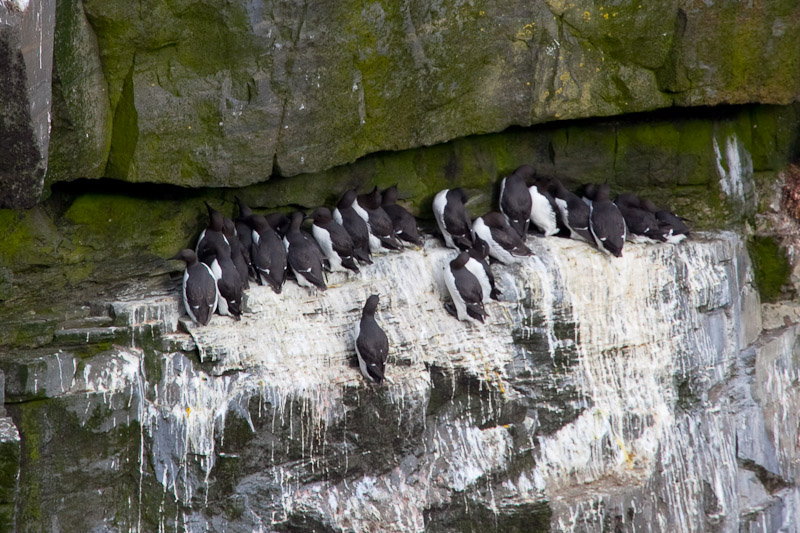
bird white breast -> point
(502, 193)
(542, 214)
(185, 299)
(361, 212)
(477, 270)
(256, 237)
(375, 245)
(323, 238)
(439, 203)
(216, 270)
(337, 216)
(199, 240)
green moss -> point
(770, 266)
(111, 223)
(125, 132)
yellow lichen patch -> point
(188, 411)
(587, 16)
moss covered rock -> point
(209, 95)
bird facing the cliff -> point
(200, 293)
(372, 345)
(606, 222)
(346, 215)
(515, 199)
(303, 255)
(574, 212)
(405, 225)
(544, 215)
(381, 230)
(267, 253)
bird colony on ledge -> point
(270, 248)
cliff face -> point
(639, 393)
(206, 95)
(656, 392)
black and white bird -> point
(333, 239)
(544, 214)
(574, 211)
(381, 230)
(200, 293)
(372, 345)
(346, 215)
(465, 290)
(606, 222)
(267, 253)
(212, 234)
(404, 223)
(478, 264)
(452, 218)
(303, 255)
(642, 225)
(515, 199)
(229, 284)
(504, 243)
(673, 226)
(240, 260)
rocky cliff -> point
(657, 392)
(639, 393)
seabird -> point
(372, 345)
(544, 211)
(229, 284)
(643, 227)
(606, 222)
(452, 218)
(303, 255)
(212, 234)
(381, 230)
(478, 264)
(237, 254)
(356, 227)
(574, 211)
(404, 223)
(674, 227)
(465, 290)
(200, 293)
(333, 240)
(504, 243)
(267, 253)
(515, 199)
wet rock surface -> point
(600, 394)
(26, 60)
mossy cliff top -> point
(204, 94)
